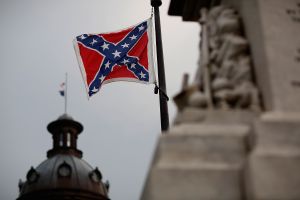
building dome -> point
(64, 175)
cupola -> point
(64, 174)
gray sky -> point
(121, 121)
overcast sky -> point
(121, 122)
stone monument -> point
(237, 132)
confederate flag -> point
(124, 55)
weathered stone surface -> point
(278, 131)
(204, 144)
(197, 115)
(195, 161)
(273, 176)
(273, 169)
(182, 183)
(273, 28)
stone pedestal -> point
(273, 166)
(236, 154)
(199, 161)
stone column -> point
(273, 30)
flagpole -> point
(66, 92)
(164, 114)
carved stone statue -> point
(227, 62)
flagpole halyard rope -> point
(152, 12)
(156, 89)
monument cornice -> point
(189, 9)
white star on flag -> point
(133, 37)
(116, 54)
(132, 66)
(82, 37)
(141, 28)
(107, 64)
(105, 46)
(125, 61)
(125, 45)
(93, 42)
(102, 78)
(143, 75)
(94, 89)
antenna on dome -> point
(64, 91)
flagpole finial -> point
(156, 3)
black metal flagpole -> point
(163, 98)
(66, 93)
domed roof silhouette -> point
(64, 175)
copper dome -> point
(64, 175)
